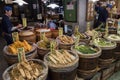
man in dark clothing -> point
(103, 15)
(7, 26)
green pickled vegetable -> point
(86, 49)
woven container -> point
(24, 35)
(117, 49)
(48, 34)
(64, 46)
(107, 56)
(87, 40)
(11, 59)
(55, 33)
(63, 72)
(87, 61)
(43, 75)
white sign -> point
(70, 7)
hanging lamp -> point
(20, 2)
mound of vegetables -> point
(85, 49)
(26, 71)
(61, 57)
(103, 42)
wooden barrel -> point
(43, 75)
(55, 33)
(48, 33)
(28, 36)
(63, 45)
(11, 59)
(41, 52)
(63, 72)
(117, 51)
(87, 61)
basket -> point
(11, 59)
(61, 72)
(43, 75)
(87, 61)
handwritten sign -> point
(52, 46)
(15, 36)
(21, 54)
(60, 31)
(24, 22)
(106, 30)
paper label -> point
(77, 40)
(15, 36)
(21, 54)
(52, 46)
(106, 30)
(24, 22)
(60, 31)
(42, 35)
(88, 26)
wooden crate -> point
(117, 66)
(97, 76)
(106, 73)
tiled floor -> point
(3, 64)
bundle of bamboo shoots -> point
(62, 57)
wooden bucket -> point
(24, 35)
(117, 51)
(43, 75)
(63, 72)
(87, 61)
(64, 46)
(55, 33)
(48, 34)
(107, 56)
(87, 75)
(11, 59)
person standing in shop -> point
(103, 15)
(7, 26)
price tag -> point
(106, 31)
(42, 35)
(21, 54)
(88, 26)
(24, 22)
(77, 40)
(52, 46)
(118, 28)
(76, 29)
(15, 36)
(60, 31)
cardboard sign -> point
(60, 31)
(24, 22)
(21, 54)
(15, 36)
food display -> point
(66, 39)
(13, 47)
(113, 37)
(44, 44)
(26, 71)
(82, 35)
(85, 49)
(101, 42)
(61, 57)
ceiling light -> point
(20, 2)
(53, 5)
